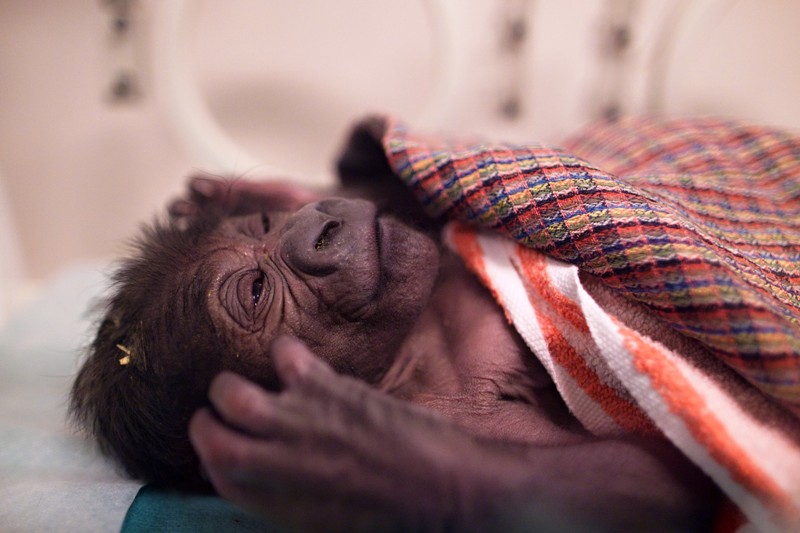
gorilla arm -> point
(241, 197)
(329, 452)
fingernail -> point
(287, 355)
(183, 208)
(204, 186)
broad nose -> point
(312, 240)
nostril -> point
(316, 243)
(328, 231)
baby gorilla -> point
(450, 421)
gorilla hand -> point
(240, 197)
(328, 451)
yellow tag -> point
(127, 359)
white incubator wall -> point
(11, 275)
(267, 88)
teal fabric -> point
(156, 509)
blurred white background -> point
(101, 121)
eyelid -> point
(244, 292)
(261, 281)
(235, 295)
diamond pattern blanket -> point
(654, 267)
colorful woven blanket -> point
(662, 293)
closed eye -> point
(258, 288)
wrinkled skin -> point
(329, 273)
(411, 403)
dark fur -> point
(505, 443)
(139, 412)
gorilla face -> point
(211, 294)
(337, 274)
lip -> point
(379, 236)
(382, 232)
(383, 236)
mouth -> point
(379, 235)
(382, 232)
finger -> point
(321, 388)
(282, 482)
(241, 403)
(183, 208)
(203, 187)
(296, 364)
(232, 458)
(222, 454)
(246, 406)
(289, 195)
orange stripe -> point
(465, 241)
(534, 268)
(624, 413)
(685, 402)
(627, 415)
(538, 283)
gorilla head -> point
(207, 294)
